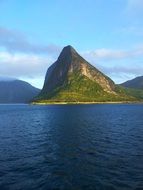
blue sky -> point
(109, 34)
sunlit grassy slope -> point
(79, 88)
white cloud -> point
(108, 60)
(110, 54)
(120, 65)
(21, 65)
(133, 70)
(106, 54)
(122, 73)
(19, 58)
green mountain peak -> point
(72, 79)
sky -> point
(108, 34)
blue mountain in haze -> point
(136, 83)
(16, 91)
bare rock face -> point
(69, 62)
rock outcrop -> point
(72, 79)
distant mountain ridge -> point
(17, 91)
(72, 79)
(136, 83)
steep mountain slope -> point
(17, 91)
(136, 83)
(72, 79)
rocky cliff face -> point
(72, 79)
(70, 62)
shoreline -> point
(85, 103)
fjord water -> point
(71, 147)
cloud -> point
(123, 70)
(19, 58)
(15, 41)
(110, 54)
(23, 65)
(108, 60)
(122, 73)
(106, 54)
(22, 59)
(120, 65)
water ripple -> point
(71, 147)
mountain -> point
(136, 83)
(17, 91)
(72, 79)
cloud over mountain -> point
(21, 65)
(118, 64)
(21, 58)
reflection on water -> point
(71, 147)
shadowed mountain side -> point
(136, 83)
(17, 91)
(72, 79)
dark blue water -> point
(71, 147)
